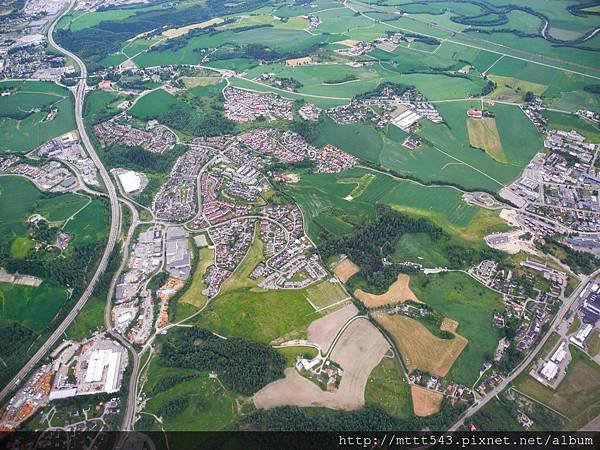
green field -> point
(24, 115)
(19, 199)
(193, 295)
(210, 406)
(33, 307)
(322, 199)
(244, 310)
(89, 320)
(99, 105)
(91, 224)
(387, 389)
(459, 297)
(154, 103)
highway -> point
(115, 219)
(525, 363)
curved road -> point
(114, 223)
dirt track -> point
(358, 351)
(323, 331)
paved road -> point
(79, 92)
(519, 369)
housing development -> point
(310, 215)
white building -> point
(130, 181)
(549, 370)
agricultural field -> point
(483, 135)
(34, 113)
(425, 402)
(419, 348)
(398, 292)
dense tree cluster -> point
(14, 338)
(370, 244)
(196, 124)
(307, 129)
(369, 418)
(592, 88)
(136, 158)
(173, 407)
(168, 382)
(241, 365)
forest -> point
(136, 158)
(369, 418)
(241, 365)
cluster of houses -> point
(290, 147)
(246, 106)
(176, 201)
(309, 111)
(156, 139)
(232, 241)
(401, 110)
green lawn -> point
(89, 319)
(388, 389)
(210, 405)
(33, 307)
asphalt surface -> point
(79, 93)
